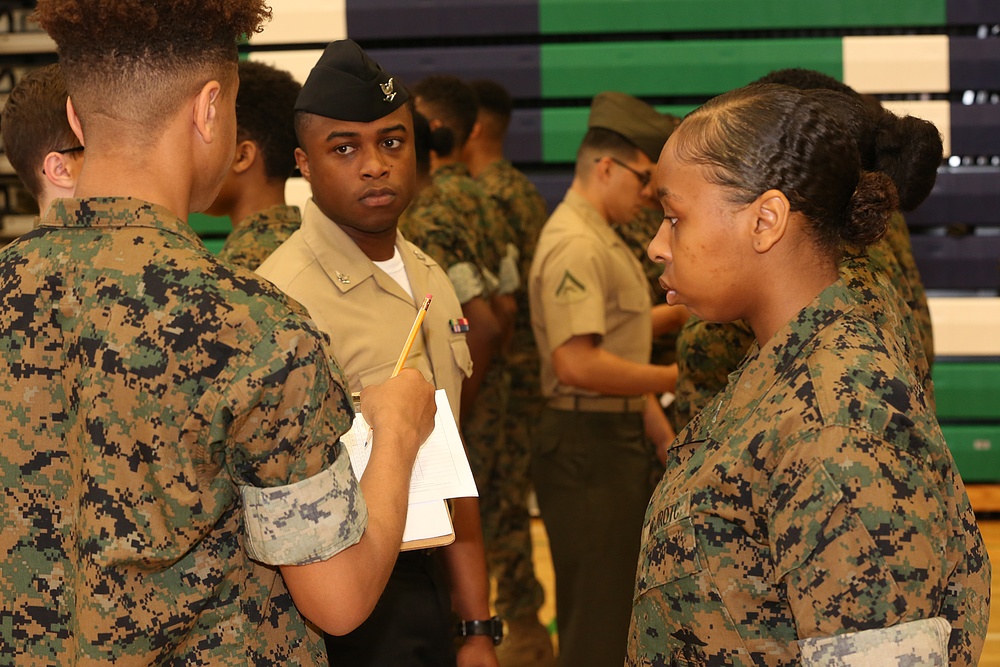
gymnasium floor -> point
(991, 533)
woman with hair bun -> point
(812, 511)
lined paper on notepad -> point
(441, 470)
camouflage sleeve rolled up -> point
(914, 644)
(294, 413)
(472, 210)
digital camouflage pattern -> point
(440, 230)
(898, 239)
(521, 206)
(519, 594)
(637, 234)
(874, 277)
(480, 214)
(707, 352)
(255, 238)
(815, 496)
(143, 385)
(914, 644)
(457, 224)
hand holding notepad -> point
(441, 471)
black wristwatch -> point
(492, 628)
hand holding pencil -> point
(414, 330)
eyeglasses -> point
(644, 176)
(66, 151)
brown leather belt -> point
(599, 403)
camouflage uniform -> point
(707, 352)
(256, 237)
(519, 594)
(814, 497)
(440, 231)
(898, 239)
(876, 277)
(171, 424)
(637, 234)
(449, 214)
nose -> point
(375, 165)
(659, 249)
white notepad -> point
(440, 472)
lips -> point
(671, 296)
(378, 197)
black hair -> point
(601, 141)
(265, 114)
(450, 101)
(495, 101)
(906, 149)
(805, 79)
(765, 136)
(425, 140)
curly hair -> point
(128, 59)
(34, 123)
(449, 100)
(767, 136)
(265, 114)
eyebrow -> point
(663, 193)
(350, 135)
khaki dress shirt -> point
(365, 312)
(584, 280)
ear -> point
(602, 170)
(477, 130)
(74, 121)
(60, 170)
(246, 156)
(772, 212)
(302, 161)
(206, 111)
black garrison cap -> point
(641, 124)
(346, 84)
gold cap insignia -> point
(388, 88)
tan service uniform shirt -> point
(366, 313)
(585, 280)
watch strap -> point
(492, 628)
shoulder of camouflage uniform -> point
(440, 232)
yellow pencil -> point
(414, 330)
(413, 335)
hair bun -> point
(909, 150)
(442, 140)
(870, 209)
